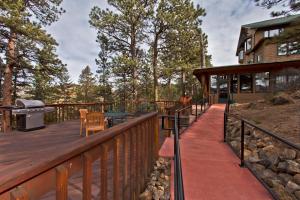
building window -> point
(234, 84)
(272, 33)
(248, 44)
(282, 50)
(258, 58)
(245, 83)
(262, 81)
(290, 48)
(280, 82)
(241, 55)
(293, 48)
(213, 84)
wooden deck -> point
(21, 151)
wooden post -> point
(116, 166)
(87, 176)
(127, 165)
(19, 194)
(61, 183)
(238, 84)
(156, 137)
(103, 171)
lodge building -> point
(265, 64)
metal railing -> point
(243, 124)
(176, 128)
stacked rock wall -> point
(277, 164)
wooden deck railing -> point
(70, 111)
(133, 147)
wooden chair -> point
(94, 122)
(83, 113)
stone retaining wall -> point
(277, 164)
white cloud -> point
(222, 25)
(77, 40)
(78, 48)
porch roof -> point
(246, 68)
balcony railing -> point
(129, 148)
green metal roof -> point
(273, 22)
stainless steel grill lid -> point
(24, 103)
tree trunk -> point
(8, 76)
(183, 83)
(154, 65)
(133, 57)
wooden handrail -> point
(140, 139)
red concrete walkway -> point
(210, 169)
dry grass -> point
(283, 120)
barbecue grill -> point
(30, 114)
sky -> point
(77, 40)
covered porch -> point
(244, 83)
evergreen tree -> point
(86, 88)
(23, 40)
(184, 42)
(104, 70)
(289, 7)
(124, 26)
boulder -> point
(272, 182)
(292, 187)
(257, 134)
(253, 158)
(281, 99)
(252, 145)
(293, 167)
(296, 179)
(285, 178)
(297, 194)
(147, 195)
(287, 154)
(269, 154)
(282, 166)
(235, 132)
(267, 173)
(235, 145)
(282, 193)
(247, 154)
(258, 167)
(296, 95)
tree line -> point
(147, 50)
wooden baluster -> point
(103, 171)
(127, 165)
(61, 183)
(145, 156)
(133, 167)
(138, 159)
(141, 157)
(149, 146)
(116, 166)
(156, 137)
(19, 194)
(87, 176)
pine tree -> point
(86, 89)
(22, 25)
(124, 26)
(289, 7)
(184, 42)
(104, 89)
